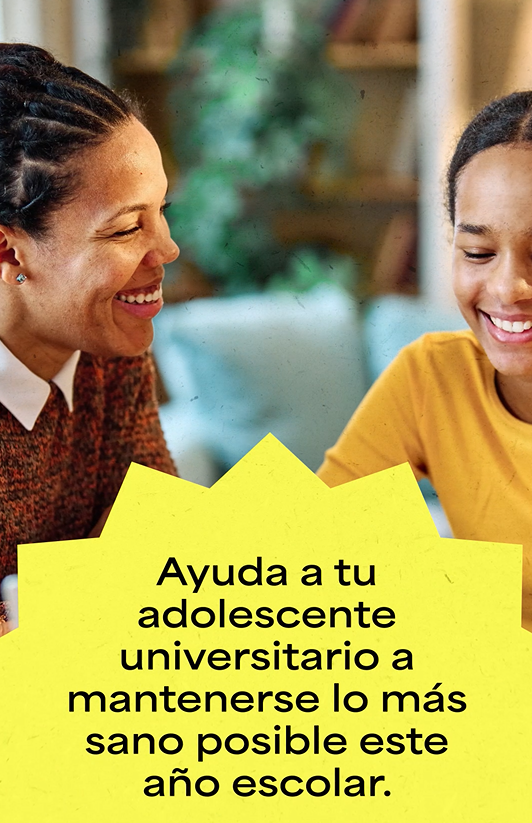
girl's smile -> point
(492, 256)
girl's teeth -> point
(514, 328)
(140, 298)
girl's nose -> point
(511, 282)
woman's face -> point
(492, 255)
(94, 282)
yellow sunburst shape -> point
(267, 649)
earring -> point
(21, 278)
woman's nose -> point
(172, 251)
(166, 251)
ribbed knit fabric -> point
(56, 480)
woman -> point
(83, 241)
(458, 406)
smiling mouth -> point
(515, 327)
(148, 295)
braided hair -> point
(48, 113)
(503, 122)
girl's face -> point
(492, 255)
(94, 282)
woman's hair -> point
(48, 113)
(502, 122)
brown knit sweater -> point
(56, 480)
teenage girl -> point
(458, 406)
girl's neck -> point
(516, 395)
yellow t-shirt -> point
(437, 407)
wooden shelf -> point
(366, 188)
(144, 61)
(344, 56)
(326, 226)
(349, 56)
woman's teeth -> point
(143, 297)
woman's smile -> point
(144, 302)
(99, 270)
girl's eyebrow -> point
(471, 228)
(481, 231)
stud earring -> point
(21, 278)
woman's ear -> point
(10, 254)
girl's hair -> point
(48, 113)
(504, 121)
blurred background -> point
(306, 143)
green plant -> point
(246, 118)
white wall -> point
(76, 31)
(22, 21)
(91, 37)
(444, 84)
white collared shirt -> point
(24, 394)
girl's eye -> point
(164, 207)
(470, 255)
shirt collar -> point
(24, 394)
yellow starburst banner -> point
(268, 648)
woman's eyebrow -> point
(135, 207)
(471, 228)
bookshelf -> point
(146, 35)
(349, 214)
(147, 60)
(368, 188)
(352, 56)
(374, 42)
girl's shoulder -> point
(453, 362)
(447, 348)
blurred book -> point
(403, 157)
(398, 22)
(346, 20)
(358, 21)
(374, 21)
(395, 268)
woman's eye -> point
(138, 228)
(125, 233)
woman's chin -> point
(122, 344)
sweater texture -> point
(56, 480)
